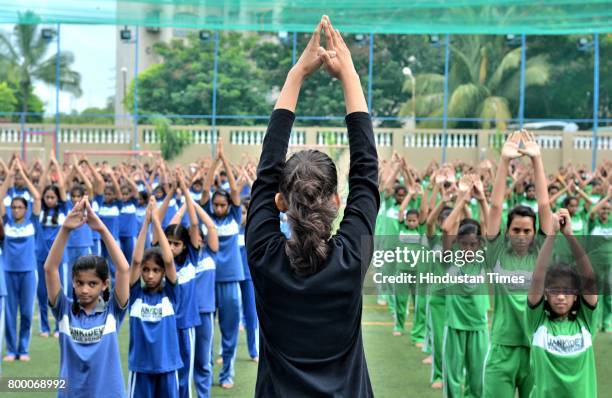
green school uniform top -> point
(562, 358)
(390, 217)
(508, 326)
(466, 309)
(380, 219)
(599, 247)
(415, 241)
(531, 203)
(436, 291)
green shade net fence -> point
(358, 16)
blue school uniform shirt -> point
(128, 227)
(82, 236)
(243, 256)
(153, 335)
(109, 214)
(205, 281)
(19, 246)
(188, 314)
(229, 263)
(139, 216)
(89, 349)
(2, 279)
(47, 231)
(172, 210)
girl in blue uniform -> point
(90, 321)
(110, 205)
(19, 265)
(248, 293)
(52, 217)
(224, 209)
(205, 286)
(128, 228)
(154, 357)
(185, 244)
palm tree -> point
(23, 59)
(483, 82)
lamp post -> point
(408, 73)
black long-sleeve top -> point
(310, 327)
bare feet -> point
(219, 361)
(255, 359)
(381, 302)
(396, 333)
(44, 334)
(437, 385)
(419, 345)
(9, 358)
(227, 386)
(428, 360)
(56, 335)
(24, 358)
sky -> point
(93, 47)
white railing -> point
(435, 140)
(95, 135)
(604, 142)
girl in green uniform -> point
(466, 333)
(561, 318)
(513, 254)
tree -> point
(182, 84)
(483, 82)
(24, 57)
(7, 100)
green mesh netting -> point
(363, 16)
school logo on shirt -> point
(393, 213)
(602, 231)
(241, 240)
(108, 211)
(562, 345)
(229, 229)
(87, 336)
(151, 313)
(128, 209)
(19, 230)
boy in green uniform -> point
(561, 317)
(466, 329)
(513, 254)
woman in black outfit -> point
(308, 289)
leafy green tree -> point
(7, 99)
(24, 58)
(483, 82)
(182, 84)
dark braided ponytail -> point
(308, 182)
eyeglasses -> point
(565, 292)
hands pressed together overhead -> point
(336, 56)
